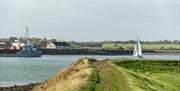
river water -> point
(22, 71)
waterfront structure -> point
(58, 45)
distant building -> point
(58, 45)
(4, 45)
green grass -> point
(110, 79)
(92, 82)
(151, 75)
(173, 79)
(135, 75)
(151, 66)
(144, 46)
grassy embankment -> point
(151, 75)
(144, 46)
(116, 75)
(138, 75)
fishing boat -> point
(137, 49)
(21, 48)
(19, 53)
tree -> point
(162, 47)
(120, 47)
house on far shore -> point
(58, 45)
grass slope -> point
(110, 79)
(151, 75)
(76, 77)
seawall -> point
(89, 52)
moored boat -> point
(19, 53)
(21, 48)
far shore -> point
(104, 52)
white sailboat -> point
(137, 49)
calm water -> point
(21, 71)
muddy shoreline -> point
(19, 88)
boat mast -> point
(26, 34)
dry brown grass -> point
(73, 78)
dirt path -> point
(111, 79)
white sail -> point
(137, 49)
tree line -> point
(42, 42)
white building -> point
(58, 45)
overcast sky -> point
(92, 20)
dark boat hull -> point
(22, 54)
